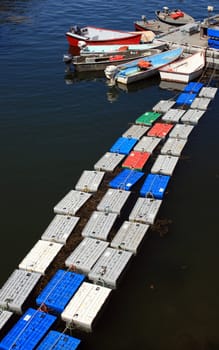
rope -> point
(123, 184)
(41, 308)
(58, 338)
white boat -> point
(115, 49)
(141, 69)
(184, 70)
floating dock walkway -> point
(69, 275)
(195, 37)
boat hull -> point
(180, 77)
(155, 26)
(184, 70)
(133, 72)
(137, 77)
(98, 36)
(85, 64)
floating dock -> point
(109, 267)
(160, 130)
(145, 210)
(17, 289)
(99, 225)
(135, 131)
(5, 317)
(60, 289)
(147, 118)
(85, 306)
(56, 341)
(109, 161)
(136, 160)
(181, 131)
(123, 145)
(173, 115)
(154, 186)
(113, 201)
(126, 179)
(192, 116)
(108, 242)
(40, 256)
(85, 255)
(164, 164)
(89, 181)
(129, 236)
(72, 202)
(147, 144)
(28, 331)
(60, 228)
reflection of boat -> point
(75, 77)
(141, 69)
(174, 17)
(185, 69)
(101, 61)
(171, 85)
(100, 36)
(140, 85)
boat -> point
(101, 61)
(116, 49)
(154, 25)
(142, 68)
(185, 69)
(175, 17)
(100, 36)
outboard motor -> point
(110, 71)
(76, 30)
(166, 9)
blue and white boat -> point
(115, 49)
(142, 68)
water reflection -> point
(140, 85)
(13, 11)
(113, 92)
(171, 85)
(72, 77)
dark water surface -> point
(52, 127)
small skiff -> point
(174, 17)
(142, 68)
(101, 61)
(117, 49)
(185, 69)
(100, 36)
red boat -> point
(100, 36)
